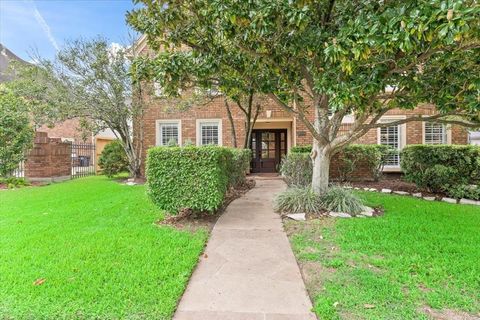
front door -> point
(268, 147)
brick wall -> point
(50, 158)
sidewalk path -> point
(248, 271)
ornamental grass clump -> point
(339, 199)
(297, 200)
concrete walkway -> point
(248, 271)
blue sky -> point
(44, 25)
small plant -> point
(339, 199)
(113, 159)
(296, 200)
(188, 143)
(13, 182)
(172, 143)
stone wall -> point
(49, 159)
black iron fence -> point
(83, 160)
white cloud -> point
(44, 25)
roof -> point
(6, 56)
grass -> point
(419, 254)
(95, 244)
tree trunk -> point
(321, 167)
(249, 126)
(232, 124)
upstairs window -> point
(435, 133)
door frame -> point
(256, 154)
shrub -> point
(113, 159)
(440, 167)
(464, 191)
(339, 199)
(297, 168)
(239, 166)
(188, 177)
(295, 200)
(371, 155)
(439, 178)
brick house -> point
(276, 130)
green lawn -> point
(419, 254)
(95, 243)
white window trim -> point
(199, 133)
(158, 137)
(448, 130)
(402, 136)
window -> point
(390, 136)
(435, 133)
(209, 132)
(167, 131)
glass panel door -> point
(268, 145)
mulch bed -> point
(393, 184)
(192, 220)
(4, 186)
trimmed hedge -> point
(297, 167)
(440, 168)
(193, 177)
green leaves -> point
(16, 132)
(438, 167)
(348, 48)
(193, 177)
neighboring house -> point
(276, 131)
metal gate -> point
(83, 160)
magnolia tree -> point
(360, 58)
(89, 80)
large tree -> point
(360, 57)
(89, 80)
